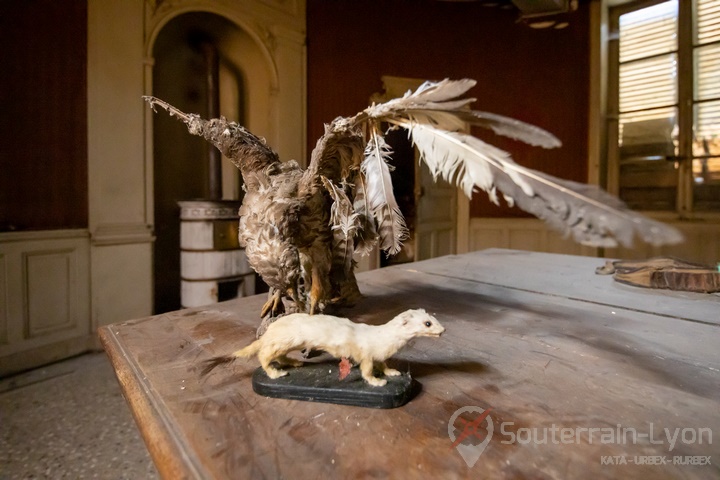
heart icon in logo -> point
(470, 452)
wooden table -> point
(578, 370)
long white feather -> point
(380, 196)
(511, 128)
(463, 159)
(591, 216)
(436, 104)
(435, 95)
(440, 91)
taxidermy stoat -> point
(367, 345)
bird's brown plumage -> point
(285, 223)
(285, 215)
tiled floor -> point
(69, 420)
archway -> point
(179, 160)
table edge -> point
(165, 451)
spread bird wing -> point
(592, 216)
(434, 117)
(247, 151)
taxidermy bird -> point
(300, 228)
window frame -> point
(685, 107)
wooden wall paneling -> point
(702, 240)
(482, 237)
(532, 240)
(702, 244)
(49, 280)
(45, 292)
(523, 234)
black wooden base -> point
(319, 382)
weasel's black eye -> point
(427, 324)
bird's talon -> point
(273, 306)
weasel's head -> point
(419, 323)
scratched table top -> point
(546, 370)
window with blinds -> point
(648, 72)
(662, 65)
(706, 107)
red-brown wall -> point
(538, 76)
(43, 114)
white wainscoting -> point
(521, 234)
(702, 244)
(44, 287)
(702, 240)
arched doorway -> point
(199, 65)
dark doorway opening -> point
(180, 160)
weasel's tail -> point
(249, 351)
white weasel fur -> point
(367, 345)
